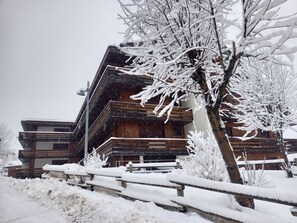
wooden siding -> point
(46, 136)
(43, 154)
(142, 146)
(127, 129)
(109, 77)
(261, 148)
(132, 111)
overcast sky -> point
(51, 48)
(48, 50)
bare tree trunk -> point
(282, 149)
(227, 153)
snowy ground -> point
(16, 207)
(54, 201)
(47, 201)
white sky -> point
(51, 48)
(48, 50)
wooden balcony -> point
(143, 146)
(133, 111)
(25, 173)
(110, 76)
(26, 154)
(26, 136)
(136, 111)
(261, 147)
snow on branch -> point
(173, 40)
(264, 31)
(265, 95)
(183, 43)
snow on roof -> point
(47, 132)
(46, 120)
(13, 163)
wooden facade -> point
(119, 127)
(114, 117)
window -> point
(60, 146)
(176, 130)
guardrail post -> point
(66, 177)
(180, 190)
(130, 166)
(124, 184)
(178, 166)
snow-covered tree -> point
(5, 139)
(205, 159)
(182, 45)
(266, 100)
(6, 136)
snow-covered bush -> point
(205, 159)
(251, 176)
(94, 160)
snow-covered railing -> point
(105, 178)
(116, 181)
(163, 167)
(152, 181)
(165, 190)
(254, 162)
(73, 174)
(264, 194)
(54, 171)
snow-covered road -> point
(15, 207)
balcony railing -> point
(261, 145)
(45, 136)
(135, 110)
(132, 146)
(109, 76)
(43, 154)
(130, 110)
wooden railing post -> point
(178, 166)
(130, 166)
(124, 184)
(180, 190)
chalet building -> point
(119, 127)
(44, 142)
(123, 130)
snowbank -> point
(78, 205)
